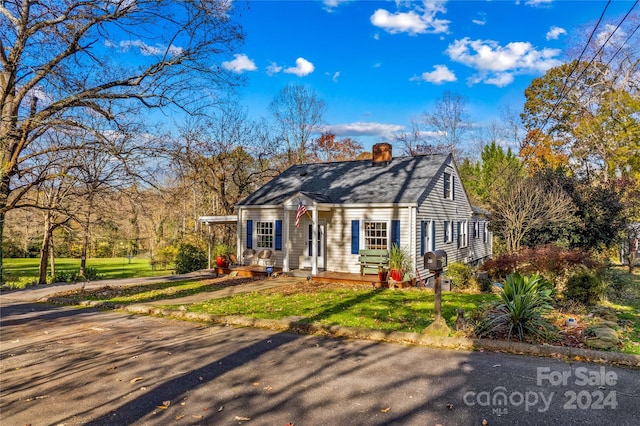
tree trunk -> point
(85, 244)
(52, 257)
(4, 196)
(44, 250)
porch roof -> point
(221, 220)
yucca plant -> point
(520, 311)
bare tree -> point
(448, 122)
(526, 205)
(298, 113)
(59, 58)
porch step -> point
(300, 273)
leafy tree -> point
(495, 170)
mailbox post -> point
(435, 261)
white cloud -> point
(148, 50)
(555, 32)
(360, 128)
(273, 68)
(240, 63)
(479, 21)
(420, 19)
(493, 61)
(536, 3)
(334, 77)
(616, 38)
(500, 79)
(302, 68)
(329, 5)
(439, 75)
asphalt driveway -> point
(71, 366)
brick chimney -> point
(381, 154)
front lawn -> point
(408, 310)
(21, 272)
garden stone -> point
(604, 337)
(605, 314)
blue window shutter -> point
(446, 230)
(278, 235)
(453, 187)
(433, 236)
(423, 231)
(249, 234)
(395, 232)
(459, 233)
(355, 236)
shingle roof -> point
(403, 180)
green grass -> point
(21, 272)
(408, 310)
(624, 299)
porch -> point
(327, 276)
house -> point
(318, 216)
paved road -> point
(70, 366)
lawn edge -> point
(569, 354)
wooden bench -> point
(371, 259)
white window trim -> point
(273, 234)
(464, 234)
(449, 231)
(363, 228)
(451, 185)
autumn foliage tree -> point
(326, 148)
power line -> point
(564, 86)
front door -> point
(307, 260)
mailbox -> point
(435, 260)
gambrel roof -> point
(402, 180)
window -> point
(264, 234)
(463, 237)
(448, 186)
(485, 233)
(476, 230)
(375, 235)
(448, 231)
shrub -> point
(461, 275)
(62, 276)
(552, 261)
(91, 273)
(190, 258)
(523, 300)
(165, 256)
(585, 287)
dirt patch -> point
(164, 290)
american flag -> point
(301, 211)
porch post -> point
(314, 242)
(285, 239)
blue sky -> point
(377, 64)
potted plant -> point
(222, 251)
(398, 262)
(382, 274)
